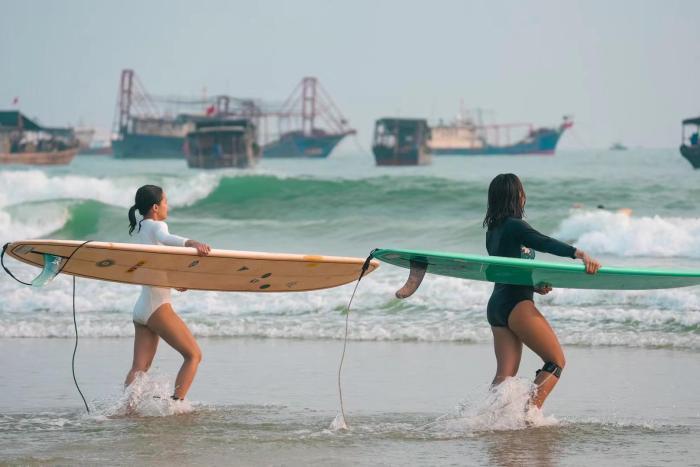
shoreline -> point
(262, 401)
(339, 340)
(101, 363)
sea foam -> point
(34, 204)
(621, 234)
(442, 310)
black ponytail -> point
(132, 218)
(145, 198)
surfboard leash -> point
(2, 262)
(75, 321)
(365, 266)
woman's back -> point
(512, 234)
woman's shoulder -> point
(515, 223)
(154, 224)
(509, 223)
(510, 220)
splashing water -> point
(338, 423)
(148, 396)
(501, 408)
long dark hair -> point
(505, 193)
(145, 198)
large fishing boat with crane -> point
(466, 136)
(307, 125)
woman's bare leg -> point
(535, 332)
(508, 349)
(145, 346)
(168, 325)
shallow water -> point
(264, 401)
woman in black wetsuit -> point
(511, 312)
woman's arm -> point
(166, 238)
(531, 238)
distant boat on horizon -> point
(224, 143)
(467, 137)
(23, 141)
(690, 146)
(401, 141)
(309, 124)
(618, 146)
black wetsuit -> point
(507, 240)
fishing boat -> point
(690, 146)
(401, 141)
(306, 125)
(467, 136)
(309, 124)
(23, 141)
(216, 144)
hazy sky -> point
(626, 70)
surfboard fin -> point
(415, 277)
(52, 266)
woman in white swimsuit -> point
(154, 316)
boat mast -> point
(308, 105)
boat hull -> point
(301, 146)
(544, 142)
(692, 154)
(39, 158)
(140, 146)
(227, 162)
(385, 156)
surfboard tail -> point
(415, 277)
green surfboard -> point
(534, 272)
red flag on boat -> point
(211, 110)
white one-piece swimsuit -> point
(152, 232)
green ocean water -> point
(417, 370)
(347, 206)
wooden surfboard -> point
(180, 267)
